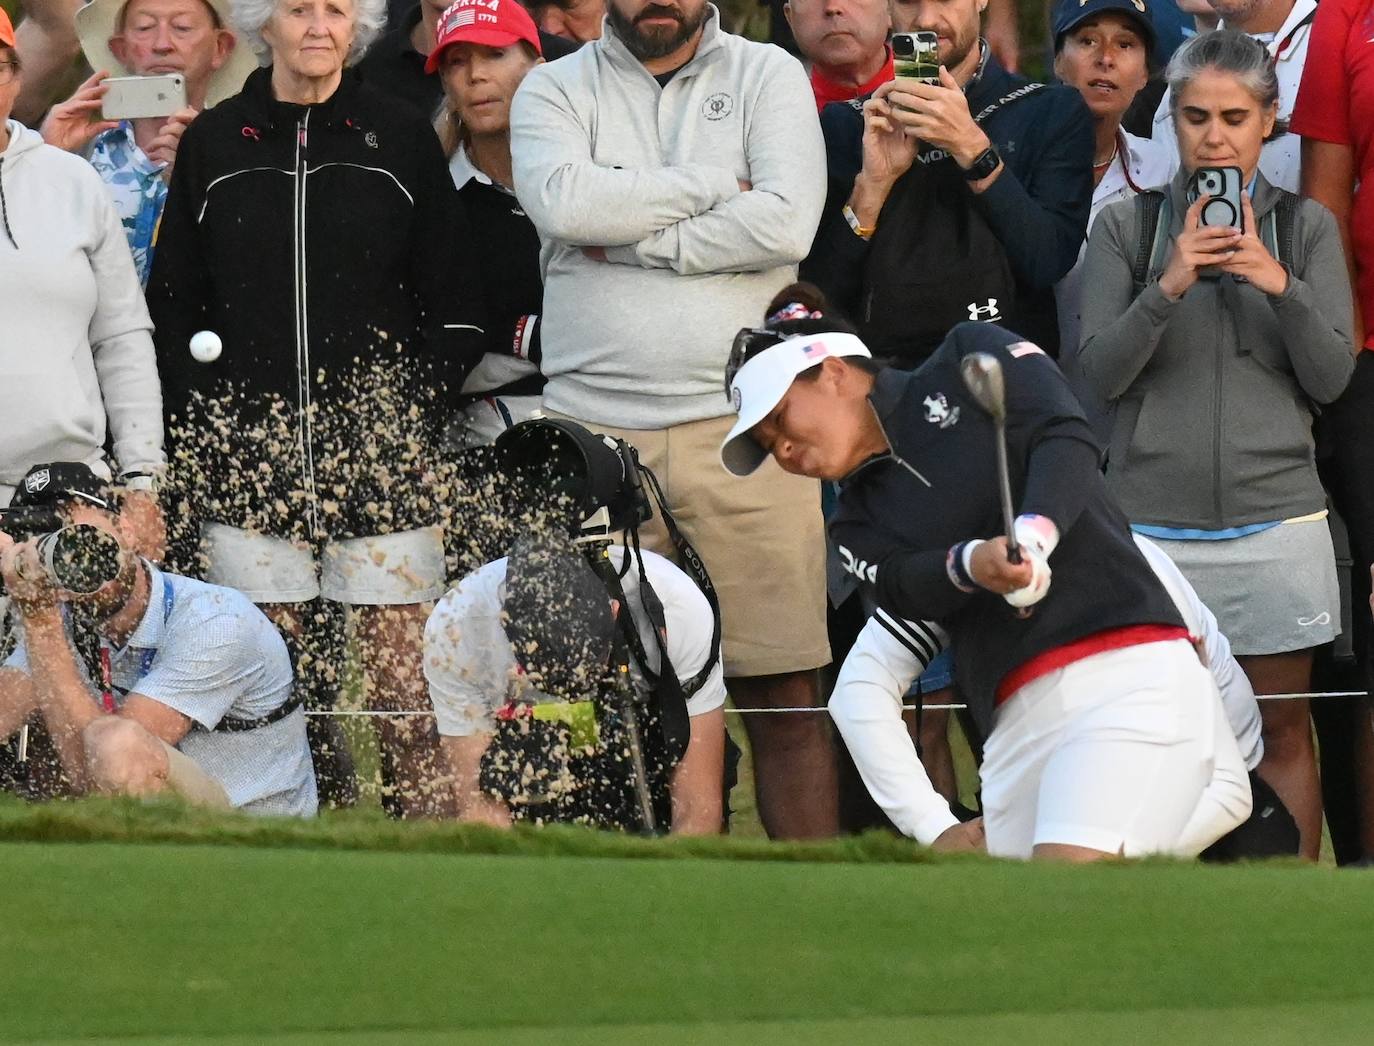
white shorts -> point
(1111, 753)
(383, 570)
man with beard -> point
(675, 173)
(965, 199)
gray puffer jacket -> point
(1214, 392)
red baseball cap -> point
(6, 29)
(495, 23)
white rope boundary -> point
(399, 713)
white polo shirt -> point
(471, 666)
(209, 653)
(1281, 159)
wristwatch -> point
(148, 481)
(984, 165)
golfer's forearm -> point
(68, 705)
(1058, 481)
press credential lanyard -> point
(146, 657)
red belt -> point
(1097, 643)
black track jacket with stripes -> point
(327, 247)
(899, 514)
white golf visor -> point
(763, 381)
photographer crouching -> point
(148, 682)
(578, 680)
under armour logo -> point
(984, 313)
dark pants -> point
(1345, 458)
(1269, 831)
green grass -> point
(326, 933)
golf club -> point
(982, 374)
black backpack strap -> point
(1280, 224)
(1147, 212)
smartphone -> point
(1222, 186)
(135, 97)
(916, 56)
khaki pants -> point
(762, 539)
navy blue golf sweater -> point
(900, 513)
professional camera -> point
(78, 558)
(597, 478)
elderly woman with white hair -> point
(311, 260)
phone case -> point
(1224, 185)
(134, 97)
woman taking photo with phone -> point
(1213, 329)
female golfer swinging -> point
(1100, 718)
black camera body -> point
(598, 475)
(78, 557)
(23, 522)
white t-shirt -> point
(214, 654)
(1280, 159)
(471, 666)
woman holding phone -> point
(1213, 352)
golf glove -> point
(1037, 537)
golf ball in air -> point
(206, 346)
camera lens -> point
(903, 46)
(80, 558)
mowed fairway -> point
(238, 944)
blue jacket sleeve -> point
(1039, 204)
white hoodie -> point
(75, 338)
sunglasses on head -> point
(748, 343)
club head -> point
(982, 374)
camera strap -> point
(695, 569)
(668, 689)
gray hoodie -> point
(605, 157)
(76, 343)
(1213, 392)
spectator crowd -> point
(368, 352)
